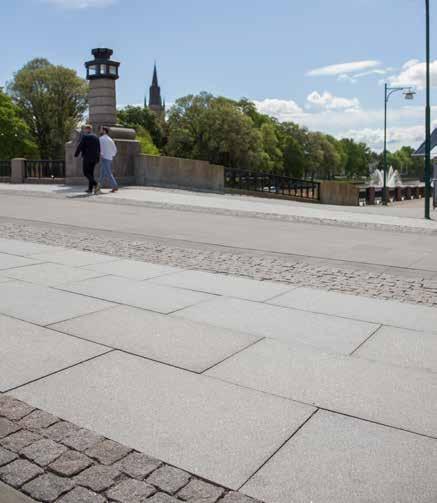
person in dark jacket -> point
(89, 147)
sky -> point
(320, 63)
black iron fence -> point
(374, 195)
(254, 181)
(44, 169)
(5, 168)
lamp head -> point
(409, 94)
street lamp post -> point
(388, 91)
(427, 120)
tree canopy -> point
(52, 100)
(15, 138)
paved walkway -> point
(286, 393)
(406, 216)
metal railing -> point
(5, 168)
(373, 195)
(44, 169)
(254, 181)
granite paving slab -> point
(179, 342)
(387, 312)
(391, 395)
(9, 261)
(290, 325)
(217, 430)
(29, 352)
(43, 305)
(220, 284)
(49, 274)
(24, 248)
(398, 346)
(75, 258)
(340, 459)
(145, 295)
(132, 269)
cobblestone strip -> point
(52, 460)
(416, 290)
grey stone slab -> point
(50, 274)
(24, 248)
(183, 343)
(387, 312)
(398, 346)
(404, 398)
(10, 495)
(217, 430)
(290, 325)
(10, 261)
(75, 258)
(42, 305)
(132, 269)
(221, 284)
(30, 352)
(340, 459)
(145, 295)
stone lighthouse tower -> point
(102, 73)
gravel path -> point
(406, 288)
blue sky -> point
(320, 63)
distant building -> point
(156, 103)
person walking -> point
(89, 147)
(108, 151)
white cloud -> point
(347, 78)
(80, 4)
(331, 102)
(344, 68)
(413, 74)
(281, 109)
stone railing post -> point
(17, 170)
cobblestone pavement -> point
(370, 281)
(54, 460)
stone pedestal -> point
(17, 170)
(102, 103)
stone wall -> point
(123, 165)
(344, 194)
(178, 173)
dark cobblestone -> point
(7, 427)
(82, 440)
(59, 431)
(19, 440)
(37, 420)
(169, 479)
(234, 497)
(198, 491)
(130, 491)
(108, 452)
(162, 498)
(43, 452)
(98, 478)
(70, 476)
(19, 472)
(47, 487)
(138, 465)
(70, 463)
(82, 495)
(6, 456)
(13, 409)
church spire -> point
(155, 100)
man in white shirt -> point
(108, 151)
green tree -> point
(142, 117)
(53, 100)
(273, 159)
(359, 157)
(146, 142)
(213, 129)
(15, 139)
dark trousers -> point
(88, 172)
